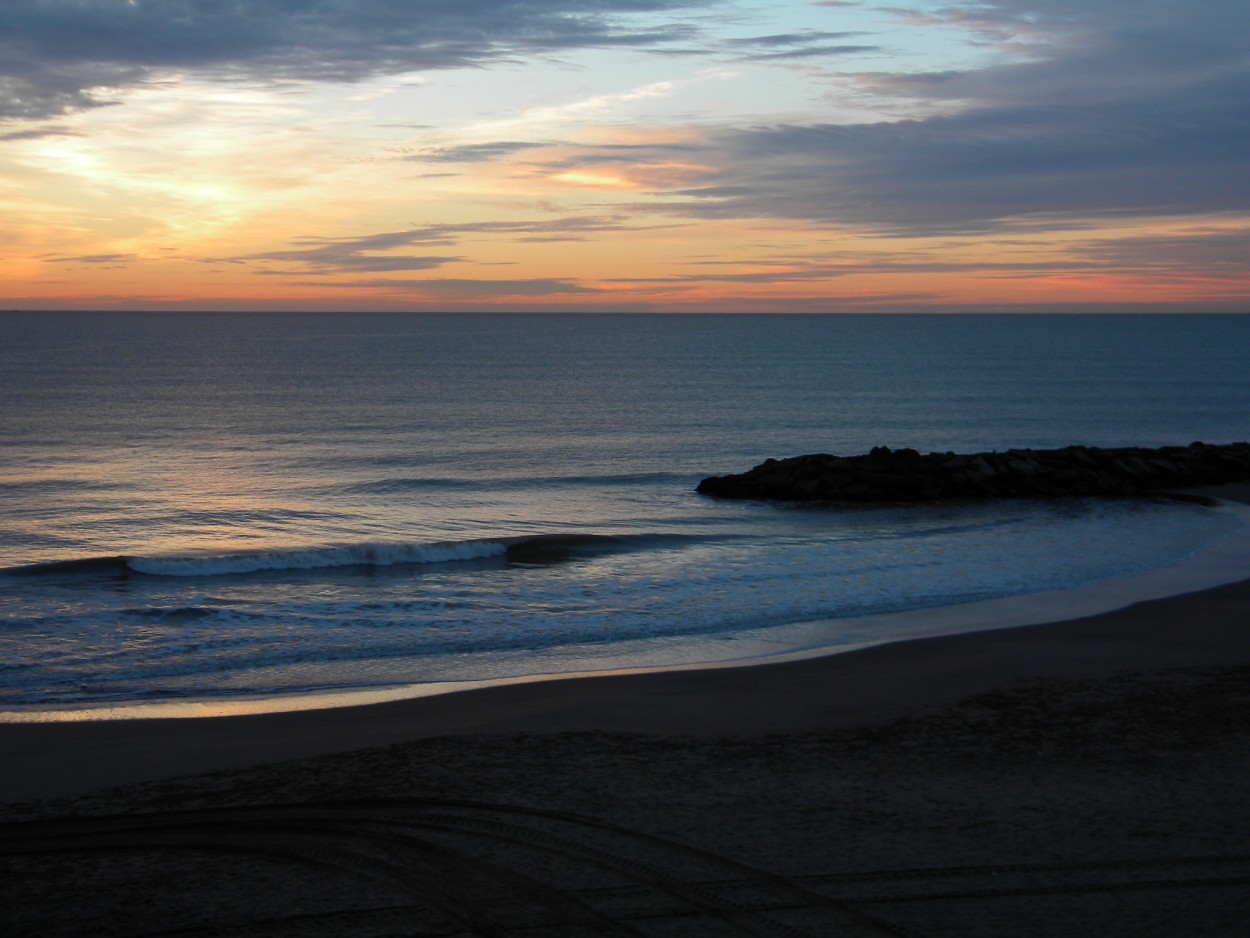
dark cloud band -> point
(56, 55)
(1098, 120)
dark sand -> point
(1085, 777)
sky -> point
(625, 155)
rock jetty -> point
(904, 475)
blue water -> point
(208, 504)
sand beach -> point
(1078, 777)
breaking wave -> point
(534, 549)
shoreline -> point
(864, 687)
(811, 691)
(1224, 561)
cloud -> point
(360, 255)
(37, 133)
(812, 52)
(470, 152)
(1209, 250)
(330, 260)
(870, 264)
(465, 288)
(805, 44)
(1128, 108)
(118, 259)
(366, 254)
(58, 56)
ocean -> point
(259, 506)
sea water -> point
(199, 505)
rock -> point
(905, 475)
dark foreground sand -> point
(1081, 778)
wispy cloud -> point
(478, 289)
(1211, 250)
(37, 133)
(469, 152)
(117, 259)
(370, 253)
(805, 44)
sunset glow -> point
(665, 155)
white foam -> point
(316, 558)
(1224, 560)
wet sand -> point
(1078, 777)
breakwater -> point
(905, 475)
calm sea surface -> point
(204, 505)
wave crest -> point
(530, 550)
(351, 555)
